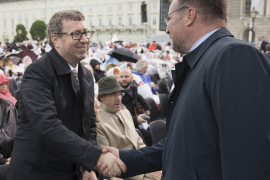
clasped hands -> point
(109, 163)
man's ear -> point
(55, 41)
(191, 15)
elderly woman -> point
(26, 61)
(4, 92)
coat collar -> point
(59, 63)
(197, 53)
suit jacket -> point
(56, 127)
(218, 120)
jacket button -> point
(163, 173)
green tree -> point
(38, 30)
(23, 36)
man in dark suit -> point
(56, 129)
(218, 114)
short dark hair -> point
(208, 9)
(56, 22)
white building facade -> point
(105, 17)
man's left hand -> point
(89, 175)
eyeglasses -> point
(78, 35)
(4, 84)
(114, 96)
(166, 18)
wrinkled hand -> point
(154, 175)
(147, 113)
(110, 164)
(140, 120)
(89, 175)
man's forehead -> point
(74, 25)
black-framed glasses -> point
(166, 18)
(78, 35)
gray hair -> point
(56, 22)
(141, 64)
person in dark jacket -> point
(56, 131)
(96, 67)
(8, 123)
(135, 103)
(218, 114)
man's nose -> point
(84, 39)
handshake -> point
(109, 163)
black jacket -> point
(217, 117)
(97, 73)
(56, 128)
(131, 102)
(8, 124)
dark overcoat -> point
(218, 120)
(56, 127)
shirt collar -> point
(200, 41)
(73, 67)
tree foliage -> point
(23, 36)
(38, 30)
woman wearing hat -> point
(4, 91)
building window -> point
(26, 23)
(81, 9)
(248, 4)
(20, 21)
(13, 33)
(90, 9)
(52, 1)
(12, 24)
(12, 14)
(154, 21)
(90, 22)
(154, 6)
(154, 32)
(34, 12)
(4, 14)
(100, 21)
(110, 8)
(130, 21)
(119, 32)
(43, 12)
(109, 21)
(119, 7)
(129, 32)
(19, 13)
(26, 13)
(100, 9)
(5, 24)
(141, 32)
(120, 21)
(130, 7)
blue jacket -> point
(217, 117)
(148, 80)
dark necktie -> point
(75, 74)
